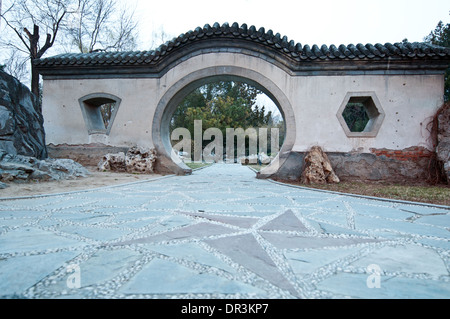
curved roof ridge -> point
(295, 51)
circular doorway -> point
(168, 161)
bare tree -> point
(97, 27)
(159, 36)
(48, 15)
(16, 64)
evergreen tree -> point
(222, 104)
(441, 36)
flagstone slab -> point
(95, 233)
(189, 232)
(17, 274)
(146, 214)
(192, 252)
(129, 201)
(307, 262)
(263, 200)
(305, 201)
(16, 222)
(337, 230)
(286, 221)
(212, 207)
(81, 217)
(227, 195)
(165, 277)
(339, 218)
(243, 222)
(104, 208)
(29, 239)
(368, 223)
(435, 220)
(424, 209)
(34, 202)
(242, 213)
(138, 224)
(4, 214)
(386, 234)
(288, 241)
(434, 242)
(175, 220)
(329, 206)
(246, 251)
(309, 211)
(99, 194)
(104, 265)
(380, 211)
(68, 203)
(103, 268)
(355, 286)
(409, 259)
(165, 224)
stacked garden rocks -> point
(138, 160)
(318, 169)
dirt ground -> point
(95, 180)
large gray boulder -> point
(23, 153)
(21, 122)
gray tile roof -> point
(269, 39)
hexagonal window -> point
(360, 114)
(355, 115)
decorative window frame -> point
(374, 111)
(90, 108)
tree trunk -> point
(33, 39)
(35, 85)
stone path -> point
(221, 233)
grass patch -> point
(439, 194)
(193, 165)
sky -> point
(307, 22)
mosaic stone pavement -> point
(221, 233)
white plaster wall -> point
(64, 123)
(408, 102)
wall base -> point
(85, 154)
(380, 165)
(92, 154)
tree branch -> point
(49, 40)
